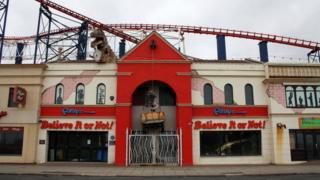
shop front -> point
(231, 135)
(77, 134)
(305, 141)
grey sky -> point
(293, 18)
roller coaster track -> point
(90, 21)
(117, 30)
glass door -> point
(309, 146)
(317, 144)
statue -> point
(102, 51)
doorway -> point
(305, 145)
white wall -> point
(236, 74)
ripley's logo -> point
(77, 112)
(222, 111)
(19, 95)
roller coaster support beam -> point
(43, 11)
(82, 41)
(221, 47)
(122, 48)
(4, 4)
(314, 55)
(263, 48)
(19, 53)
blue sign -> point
(222, 111)
(77, 112)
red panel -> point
(123, 122)
(163, 50)
(240, 111)
(71, 111)
(184, 117)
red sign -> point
(76, 111)
(226, 111)
(19, 95)
(96, 125)
(232, 124)
(3, 113)
(11, 129)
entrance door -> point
(78, 146)
(310, 145)
(153, 149)
(317, 144)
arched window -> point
(59, 94)
(318, 96)
(300, 96)
(311, 97)
(228, 94)
(101, 94)
(290, 96)
(207, 94)
(249, 94)
(80, 94)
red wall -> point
(141, 65)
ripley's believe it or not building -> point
(156, 106)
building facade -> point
(20, 96)
(156, 106)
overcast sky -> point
(293, 18)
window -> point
(230, 143)
(300, 96)
(228, 94)
(10, 100)
(59, 94)
(11, 140)
(290, 96)
(207, 91)
(303, 96)
(80, 94)
(311, 97)
(249, 94)
(101, 94)
(318, 95)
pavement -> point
(96, 169)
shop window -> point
(59, 94)
(11, 142)
(300, 96)
(230, 143)
(207, 94)
(80, 94)
(101, 94)
(228, 94)
(303, 96)
(10, 99)
(249, 94)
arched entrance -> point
(164, 102)
(153, 139)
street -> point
(58, 177)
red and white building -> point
(217, 112)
